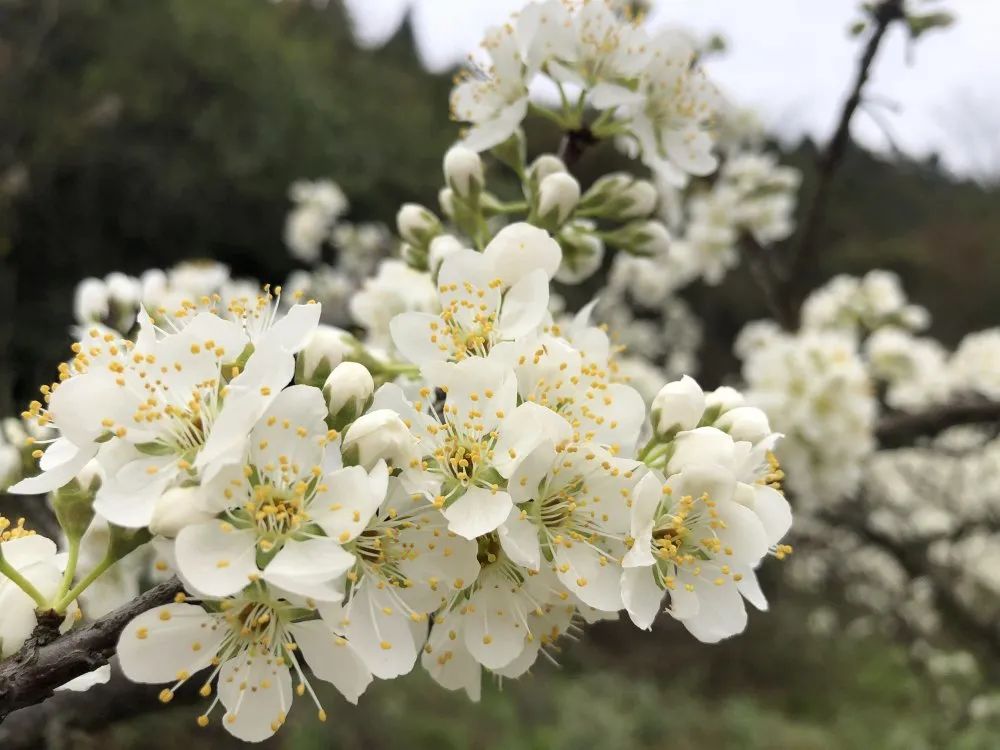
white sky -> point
(793, 61)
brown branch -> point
(902, 429)
(54, 722)
(804, 250)
(48, 660)
(760, 261)
(573, 144)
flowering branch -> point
(802, 251)
(913, 559)
(898, 430)
(48, 660)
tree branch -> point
(54, 722)
(901, 429)
(761, 265)
(48, 660)
(573, 144)
(802, 252)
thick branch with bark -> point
(48, 660)
(802, 252)
(902, 429)
(58, 721)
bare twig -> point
(48, 660)
(804, 249)
(898, 430)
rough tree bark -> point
(48, 660)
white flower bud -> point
(90, 476)
(12, 430)
(153, 286)
(745, 423)
(10, 465)
(90, 301)
(723, 398)
(583, 253)
(463, 170)
(325, 349)
(558, 195)
(678, 406)
(380, 434)
(545, 165)
(620, 196)
(417, 225)
(446, 200)
(123, 290)
(641, 197)
(654, 239)
(441, 247)
(348, 390)
(176, 508)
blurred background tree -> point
(139, 134)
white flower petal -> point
(332, 658)
(519, 539)
(257, 693)
(174, 638)
(310, 568)
(641, 596)
(216, 562)
(479, 511)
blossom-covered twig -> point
(47, 661)
(897, 430)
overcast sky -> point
(792, 60)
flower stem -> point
(70, 572)
(82, 586)
(399, 368)
(22, 583)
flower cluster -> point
(310, 225)
(648, 86)
(856, 347)
(817, 390)
(336, 514)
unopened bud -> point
(558, 195)
(463, 171)
(582, 253)
(413, 256)
(417, 225)
(73, 503)
(446, 200)
(380, 434)
(441, 247)
(545, 165)
(90, 301)
(326, 349)
(723, 399)
(678, 406)
(348, 392)
(176, 508)
(647, 239)
(745, 423)
(619, 196)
